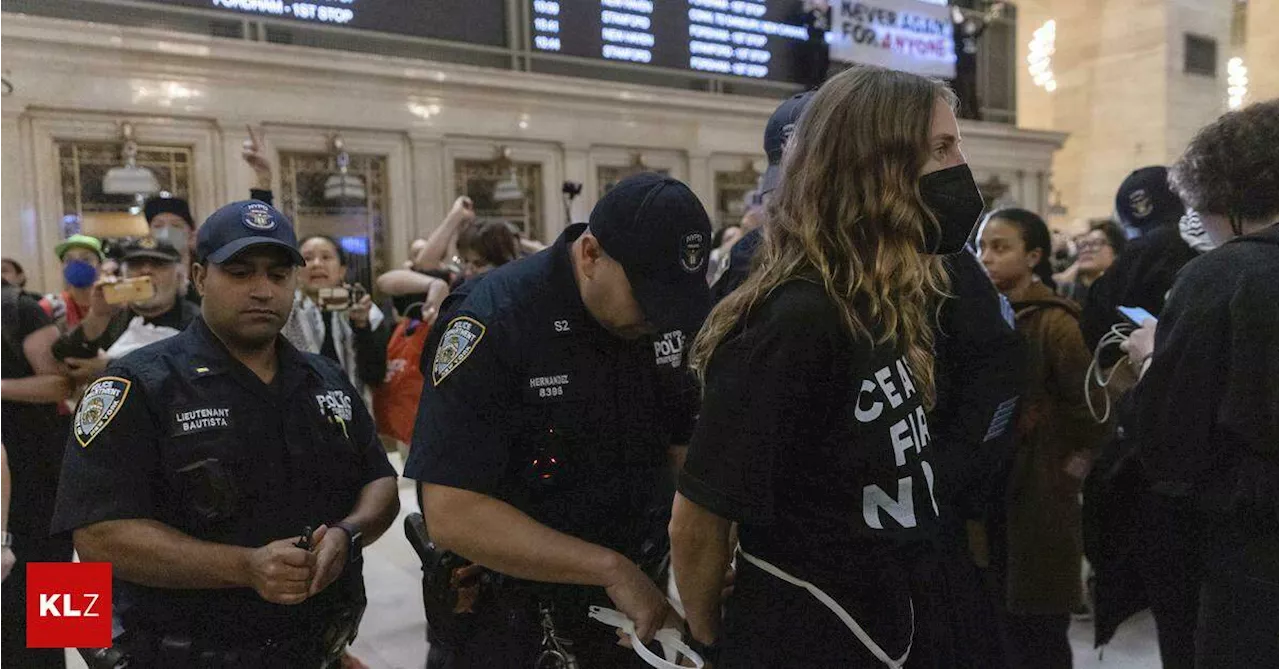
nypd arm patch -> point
(101, 403)
(457, 343)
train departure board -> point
(758, 39)
(473, 21)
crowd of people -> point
(874, 425)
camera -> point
(571, 188)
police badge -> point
(257, 216)
(101, 402)
(457, 343)
(693, 252)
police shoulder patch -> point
(457, 343)
(100, 404)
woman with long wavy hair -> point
(817, 373)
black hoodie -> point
(1206, 409)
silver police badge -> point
(101, 402)
(693, 252)
(459, 340)
(257, 216)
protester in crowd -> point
(33, 433)
(1098, 250)
(415, 247)
(440, 247)
(777, 132)
(1135, 563)
(721, 244)
(1038, 555)
(344, 326)
(1155, 252)
(110, 331)
(1205, 419)
(15, 275)
(817, 375)
(483, 245)
(82, 259)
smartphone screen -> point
(136, 289)
(1135, 315)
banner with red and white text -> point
(907, 35)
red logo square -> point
(69, 605)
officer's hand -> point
(359, 312)
(331, 557)
(640, 600)
(281, 572)
(9, 560)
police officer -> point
(230, 479)
(557, 399)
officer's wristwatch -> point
(355, 549)
(6, 540)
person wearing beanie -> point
(171, 221)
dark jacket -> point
(1207, 406)
(1044, 540)
(1140, 277)
(74, 344)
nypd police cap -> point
(240, 225)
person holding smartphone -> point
(142, 308)
(1205, 420)
(338, 320)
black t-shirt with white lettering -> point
(816, 442)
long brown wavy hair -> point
(848, 214)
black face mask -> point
(953, 197)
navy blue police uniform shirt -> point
(818, 444)
(182, 433)
(530, 401)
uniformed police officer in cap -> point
(229, 479)
(556, 402)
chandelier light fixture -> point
(1040, 55)
(1237, 82)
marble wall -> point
(1122, 95)
(1262, 50)
(77, 80)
